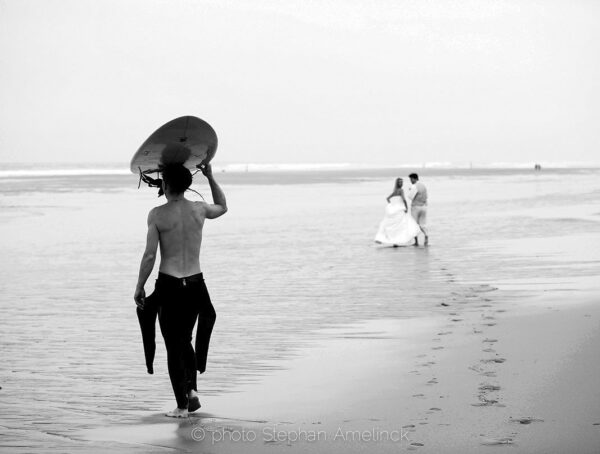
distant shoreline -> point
(78, 180)
(14, 170)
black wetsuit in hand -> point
(179, 302)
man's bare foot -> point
(193, 401)
(416, 243)
(178, 413)
(426, 242)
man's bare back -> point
(179, 224)
(177, 227)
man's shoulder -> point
(199, 205)
(157, 210)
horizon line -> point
(16, 170)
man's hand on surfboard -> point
(139, 297)
(206, 169)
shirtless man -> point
(180, 290)
(418, 207)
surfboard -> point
(185, 140)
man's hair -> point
(176, 177)
(414, 176)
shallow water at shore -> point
(293, 255)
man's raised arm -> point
(219, 206)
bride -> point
(398, 228)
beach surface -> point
(486, 340)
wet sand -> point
(479, 375)
(485, 340)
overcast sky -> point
(371, 81)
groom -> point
(418, 207)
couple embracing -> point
(399, 228)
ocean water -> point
(293, 255)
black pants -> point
(182, 301)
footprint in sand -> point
(444, 333)
(497, 441)
(485, 402)
(525, 420)
(433, 381)
(489, 374)
(489, 324)
(484, 288)
(437, 348)
(488, 387)
(457, 319)
(493, 360)
(481, 371)
(420, 396)
(489, 340)
(488, 350)
(444, 304)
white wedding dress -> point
(398, 228)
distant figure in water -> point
(397, 228)
(418, 206)
(180, 290)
